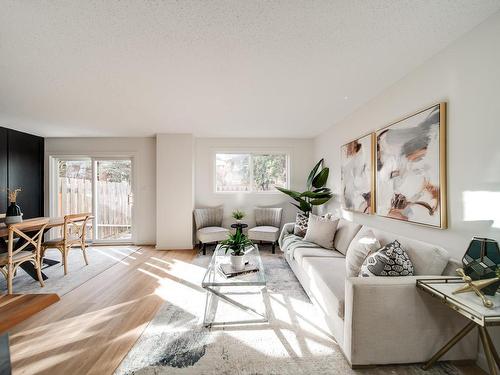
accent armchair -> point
(209, 226)
(268, 221)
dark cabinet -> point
(21, 166)
(3, 170)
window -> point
(102, 186)
(255, 172)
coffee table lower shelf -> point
(213, 296)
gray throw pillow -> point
(391, 260)
(321, 230)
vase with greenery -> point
(13, 214)
(316, 193)
(236, 244)
(238, 215)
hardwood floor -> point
(94, 326)
(14, 308)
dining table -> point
(28, 267)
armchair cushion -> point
(264, 233)
(268, 217)
(208, 217)
(211, 234)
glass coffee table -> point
(220, 287)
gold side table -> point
(470, 306)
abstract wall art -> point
(357, 174)
(411, 168)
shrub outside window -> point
(250, 172)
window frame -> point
(251, 153)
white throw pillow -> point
(363, 244)
(346, 230)
(321, 231)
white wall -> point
(301, 161)
(142, 150)
(174, 191)
(467, 76)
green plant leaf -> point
(305, 206)
(318, 202)
(321, 190)
(320, 180)
(311, 194)
(313, 173)
(291, 193)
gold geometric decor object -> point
(476, 286)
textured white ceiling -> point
(211, 68)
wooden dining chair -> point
(74, 232)
(13, 258)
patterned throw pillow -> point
(391, 260)
(300, 224)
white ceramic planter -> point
(237, 262)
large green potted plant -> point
(237, 244)
(316, 194)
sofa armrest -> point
(287, 229)
(410, 323)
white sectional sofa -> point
(378, 320)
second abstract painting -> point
(357, 175)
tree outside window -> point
(259, 172)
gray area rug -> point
(295, 341)
(100, 259)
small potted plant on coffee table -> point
(236, 244)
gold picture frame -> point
(356, 161)
(435, 187)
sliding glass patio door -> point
(113, 200)
(102, 186)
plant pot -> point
(237, 262)
(238, 221)
(13, 214)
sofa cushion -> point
(391, 260)
(321, 230)
(264, 233)
(303, 252)
(212, 234)
(427, 259)
(361, 246)
(346, 230)
(327, 283)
